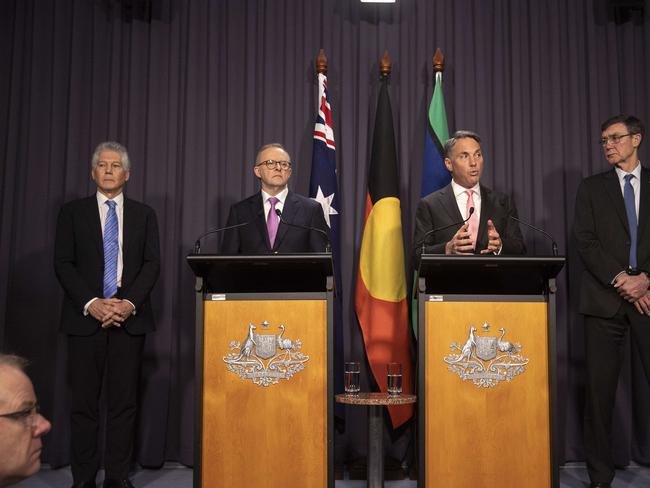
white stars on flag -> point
(326, 203)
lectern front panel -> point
(265, 393)
(487, 419)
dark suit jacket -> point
(603, 239)
(253, 238)
(439, 209)
(79, 263)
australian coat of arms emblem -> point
(486, 360)
(265, 359)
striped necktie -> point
(111, 248)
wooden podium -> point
(487, 372)
(264, 388)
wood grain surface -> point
(487, 437)
(271, 436)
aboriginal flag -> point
(380, 295)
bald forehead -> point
(275, 153)
(15, 386)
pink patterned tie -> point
(473, 221)
(272, 221)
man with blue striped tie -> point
(107, 259)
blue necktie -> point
(630, 210)
(110, 250)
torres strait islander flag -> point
(435, 174)
(323, 188)
(380, 295)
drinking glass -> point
(394, 378)
(352, 378)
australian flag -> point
(323, 188)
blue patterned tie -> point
(630, 210)
(110, 250)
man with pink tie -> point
(488, 228)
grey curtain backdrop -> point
(194, 87)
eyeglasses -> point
(272, 164)
(615, 139)
(27, 415)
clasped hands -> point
(111, 312)
(461, 243)
(634, 289)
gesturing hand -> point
(494, 239)
(461, 243)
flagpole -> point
(321, 62)
(385, 66)
(438, 62)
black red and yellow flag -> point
(380, 295)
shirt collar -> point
(636, 172)
(102, 199)
(459, 190)
(282, 196)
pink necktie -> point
(473, 221)
(272, 221)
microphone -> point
(437, 229)
(328, 247)
(197, 243)
(553, 243)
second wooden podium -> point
(264, 390)
(487, 372)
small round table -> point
(375, 402)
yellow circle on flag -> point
(381, 262)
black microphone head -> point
(471, 211)
(278, 212)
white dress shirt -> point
(282, 196)
(635, 182)
(103, 212)
(460, 192)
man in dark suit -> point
(107, 259)
(612, 230)
(265, 232)
(489, 228)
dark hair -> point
(456, 136)
(633, 124)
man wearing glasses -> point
(275, 220)
(612, 230)
(21, 426)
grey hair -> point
(13, 361)
(456, 136)
(276, 145)
(115, 147)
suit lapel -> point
(448, 200)
(94, 223)
(613, 189)
(291, 207)
(128, 215)
(257, 215)
(644, 202)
